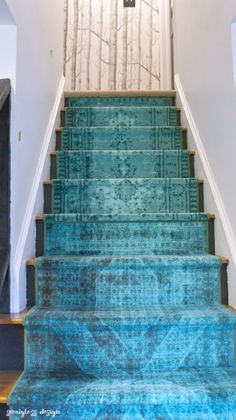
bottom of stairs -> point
(159, 363)
(182, 394)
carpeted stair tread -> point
(121, 101)
(178, 390)
(123, 164)
(140, 195)
(157, 234)
(149, 339)
(177, 260)
(129, 218)
(120, 116)
(156, 316)
(119, 282)
(129, 138)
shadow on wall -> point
(109, 47)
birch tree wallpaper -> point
(110, 47)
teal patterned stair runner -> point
(128, 322)
(120, 164)
(128, 138)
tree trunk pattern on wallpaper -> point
(139, 44)
(100, 46)
(75, 44)
(66, 10)
(131, 49)
(125, 50)
(109, 47)
(113, 44)
(89, 44)
(81, 43)
(150, 47)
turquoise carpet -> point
(128, 322)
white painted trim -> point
(29, 214)
(165, 45)
(208, 171)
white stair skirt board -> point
(17, 263)
(229, 234)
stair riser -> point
(11, 347)
(126, 196)
(76, 165)
(104, 349)
(120, 117)
(100, 138)
(179, 238)
(130, 283)
(120, 101)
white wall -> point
(204, 65)
(7, 44)
(38, 76)
(8, 53)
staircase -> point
(128, 322)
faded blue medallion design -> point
(120, 116)
(121, 101)
(128, 138)
(129, 235)
(114, 196)
(128, 322)
(120, 164)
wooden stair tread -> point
(105, 93)
(31, 261)
(190, 152)
(224, 260)
(64, 109)
(13, 319)
(39, 217)
(7, 382)
(59, 130)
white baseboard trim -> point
(229, 234)
(29, 214)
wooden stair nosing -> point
(31, 261)
(49, 182)
(59, 130)
(13, 319)
(225, 260)
(128, 93)
(64, 108)
(8, 380)
(39, 217)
